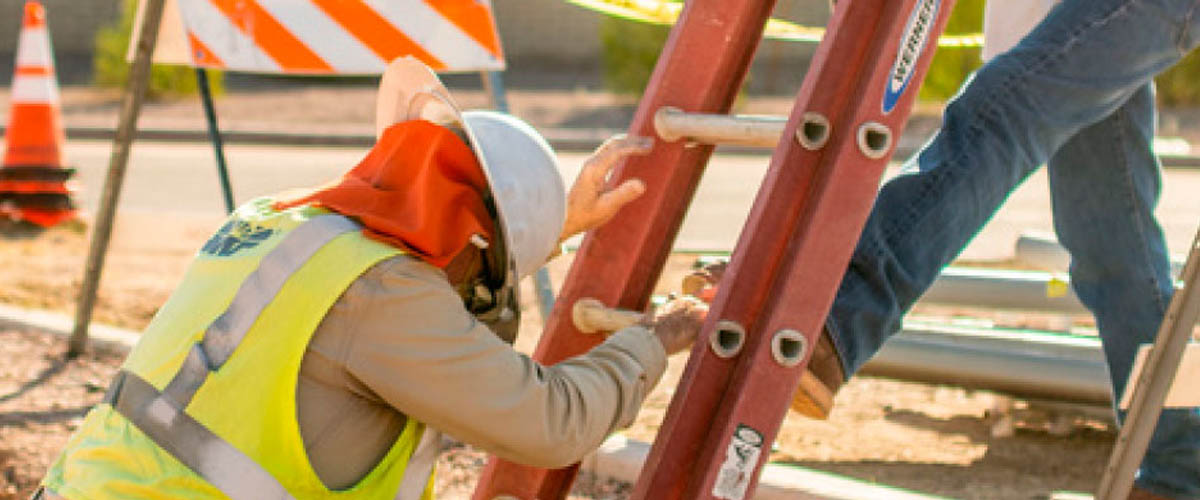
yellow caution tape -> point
(666, 12)
(1057, 287)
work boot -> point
(822, 379)
(1140, 494)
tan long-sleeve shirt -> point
(399, 344)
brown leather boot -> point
(822, 379)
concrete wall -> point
(73, 23)
(538, 35)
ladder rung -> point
(673, 124)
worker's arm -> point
(421, 352)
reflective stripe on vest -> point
(161, 417)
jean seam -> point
(1184, 39)
(1131, 200)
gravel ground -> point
(927, 438)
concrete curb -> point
(619, 458)
(109, 338)
(622, 458)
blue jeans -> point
(1075, 94)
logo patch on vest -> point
(235, 236)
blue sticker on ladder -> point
(916, 35)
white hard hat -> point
(521, 169)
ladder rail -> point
(790, 257)
(701, 69)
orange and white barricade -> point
(32, 179)
(335, 37)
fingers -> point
(610, 202)
(613, 151)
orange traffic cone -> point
(32, 178)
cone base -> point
(36, 201)
(44, 218)
(47, 173)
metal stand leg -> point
(214, 134)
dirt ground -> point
(931, 439)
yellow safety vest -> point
(205, 405)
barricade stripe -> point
(34, 89)
(444, 39)
(328, 39)
(202, 55)
(474, 18)
(273, 37)
(376, 32)
(225, 41)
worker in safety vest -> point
(321, 341)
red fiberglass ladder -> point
(791, 255)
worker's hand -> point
(590, 203)
(678, 323)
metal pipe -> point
(1004, 289)
(673, 124)
(1026, 364)
(1043, 251)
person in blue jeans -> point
(1075, 94)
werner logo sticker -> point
(916, 35)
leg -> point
(1077, 67)
(1105, 183)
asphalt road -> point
(180, 179)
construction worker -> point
(322, 340)
(1076, 94)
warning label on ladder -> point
(740, 458)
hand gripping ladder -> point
(791, 255)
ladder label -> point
(916, 35)
(740, 459)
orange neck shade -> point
(420, 188)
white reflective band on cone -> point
(33, 48)
(38, 89)
(433, 32)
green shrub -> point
(111, 70)
(630, 51)
(1180, 85)
(952, 65)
